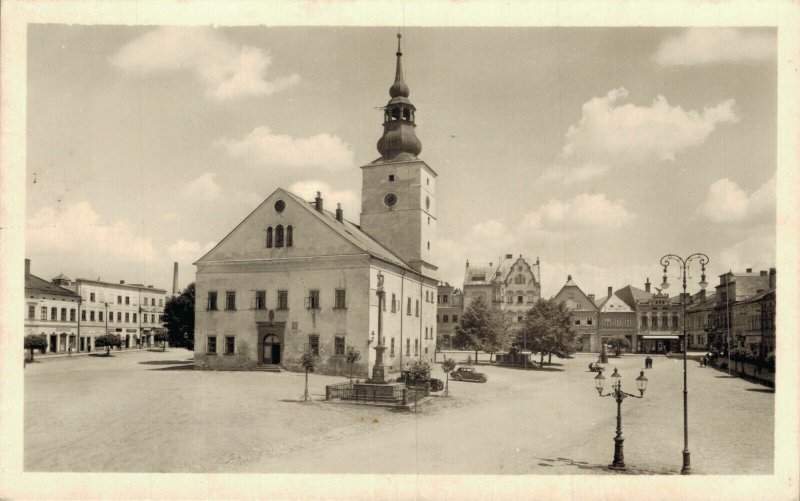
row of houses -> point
(71, 314)
(739, 314)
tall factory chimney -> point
(175, 280)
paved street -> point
(149, 412)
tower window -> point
(396, 114)
(406, 114)
(391, 177)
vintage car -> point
(468, 374)
(436, 384)
(596, 367)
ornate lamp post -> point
(683, 264)
(619, 396)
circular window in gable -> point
(390, 199)
(280, 205)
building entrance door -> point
(53, 343)
(272, 350)
(270, 342)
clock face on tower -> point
(390, 199)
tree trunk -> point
(550, 358)
(163, 346)
(541, 359)
(476, 356)
(31, 354)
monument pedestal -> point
(379, 371)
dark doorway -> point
(83, 344)
(272, 349)
(127, 341)
(53, 343)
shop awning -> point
(661, 337)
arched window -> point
(396, 114)
(279, 236)
(289, 231)
(269, 237)
(406, 114)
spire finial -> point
(399, 88)
(399, 52)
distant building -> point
(658, 318)
(584, 314)
(733, 288)
(699, 320)
(511, 287)
(449, 307)
(51, 310)
(617, 318)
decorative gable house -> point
(294, 277)
(583, 313)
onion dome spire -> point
(399, 141)
(399, 87)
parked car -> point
(436, 384)
(468, 374)
(596, 367)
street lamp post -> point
(683, 264)
(619, 396)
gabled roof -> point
(347, 230)
(572, 286)
(61, 276)
(36, 285)
(486, 271)
(631, 295)
(770, 294)
(707, 304)
(615, 304)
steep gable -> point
(574, 298)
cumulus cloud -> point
(350, 200)
(727, 202)
(204, 188)
(185, 251)
(698, 46)
(611, 134)
(756, 251)
(264, 148)
(227, 70)
(585, 212)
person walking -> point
(648, 362)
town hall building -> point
(295, 277)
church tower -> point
(398, 194)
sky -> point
(597, 150)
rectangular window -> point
(416, 309)
(408, 347)
(229, 345)
(161, 302)
(283, 300)
(83, 314)
(519, 319)
(338, 346)
(91, 315)
(211, 302)
(99, 316)
(211, 347)
(127, 317)
(654, 322)
(91, 296)
(444, 298)
(607, 322)
(134, 318)
(43, 313)
(519, 299)
(313, 344)
(260, 301)
(119, 316)
(674, 322)
(31, 311)
(644, 322)
(63, 314)
(127, 300)
(627, 322)
(416, 347)
(509, 299)
(391, 348)
(589, 321)
(312, 301)
(664, 321)
(455, 319)
(230, 300)
(119, 299)
(408, 307)
(445, 318)
(394, 303)
(53, 313)
(617, 322)
(72, 315)
(340, 300)
(577, 321)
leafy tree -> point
(179, 318)
(618, 343)
(479, 328)
(351, 357)
(108, 340)
(161, 335)
(547, 331)
(448, 366)
(419, 372)
(35, 342)
(309, 362)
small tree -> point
(163, 337)
(618, 343)
(420, 372)
(108, 340)
(35, 342)
(448, 366)
(351, 357)
(479, 328)
(179, 318)
(309, 362)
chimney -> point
(749, 270)
(175, 279)
(772, 276)
(509, 256)
(122, 282)
(318, 202)
(647, 285)
(591, 297)
(610, 291)
(701, 295)
(339, 212)
(763, 273)
(27, 267)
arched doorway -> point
(272, 349)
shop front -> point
(661, 343)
